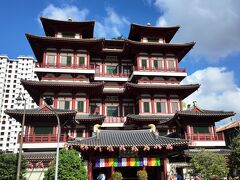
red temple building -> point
(119, 102)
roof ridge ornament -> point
(96, 130)
(153, 130)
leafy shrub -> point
(117, 176)
(142, 175)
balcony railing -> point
(43, 138)
(124, 75)
(61, 66)
(152, 69)
(205, 137)
(114, 120)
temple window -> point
(146, 107)
(201, 129)
(174, 106)
(79, 132)
(50, 59)
(68, 35)
(171, 63)
(126, 69)
(112, 111)
(144, 63)
(66, 60)
(112, 69)
(128, 109)
(43, 130)
(94, 109)
(64, 103)
(158, 63)
(153, 39)
(81, 104)
(81, 60)
(161, 106)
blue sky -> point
(213, 25)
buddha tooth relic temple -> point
(119, 102)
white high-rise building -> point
(11, 73)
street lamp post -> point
(19, 99)
(49, 101)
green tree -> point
(117, 176)
(209, 164)
(8, 166)
(235, 147)
(70, 167)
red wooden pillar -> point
(180, 101)
(152, 105)
(55, 102)
(87, 104)
(103, 68)
(168, 105)
(103, 107)
(74, 102)
(90, 174)
(150, 62)
(165, 62)
(138, 63)
(26, 131)
(44, 62)
(165, 168)
(58, 58)
(88, 60)
(140, 104)
(176, 61)
(75, 59)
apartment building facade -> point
(11, 72)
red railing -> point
(112, 75)
(43, 138)
(61, 66)
(151, 69)
(205, 137)
(114, 120)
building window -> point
(94, 109)
(153, 39)
(50, 59)
(80, 132)
(64, 104)
(66, 60)
(128, 109)
(111, 69)
(144, 63)
(174, 106)
(126, 69)
(80, 106)
(201, 129)
(171, 64)
(161, 107)
(158, 64)
(146, 107)
(68, 35)
(112, 111)
(81, 61)
(43, 130)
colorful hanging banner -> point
(125, 162)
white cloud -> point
(218, 91)
(64, 12)
(214, 25)
(111, 25)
